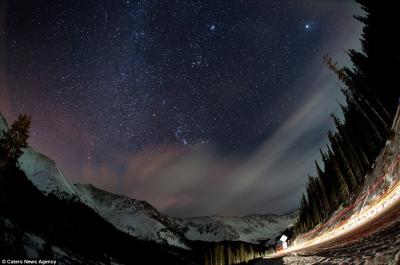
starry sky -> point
(198, 107)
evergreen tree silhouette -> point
(372, 98)
(13, 141)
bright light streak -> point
(390, 198)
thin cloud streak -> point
(194, 181)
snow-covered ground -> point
(22, 244)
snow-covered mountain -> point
(140, 219)
(45, 175)
(43, 171)
(137, 218)
(250, 228)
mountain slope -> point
(69, 224)
(249, 228)
(43, 171)
(18, 242)
(137, 218)
(140, 219)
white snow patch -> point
(128, 215)
(3, 125)
(251, 228)
(42, 171)
(45, 175)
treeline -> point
(225, 253)
(372, 95)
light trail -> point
(390, 198)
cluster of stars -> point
(136, 74)
(116, 69)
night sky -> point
(198, 107)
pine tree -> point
(206, 259)
(323, 183)
(13, 141)
(371, 102)
(230, 255)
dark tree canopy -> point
(14, 140)
(372, 98)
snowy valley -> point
(140, 219)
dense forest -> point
(372, 96)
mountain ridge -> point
(204, 228)
(142, 220)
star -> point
(178, 132)
(212, 73)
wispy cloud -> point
(195, 181)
